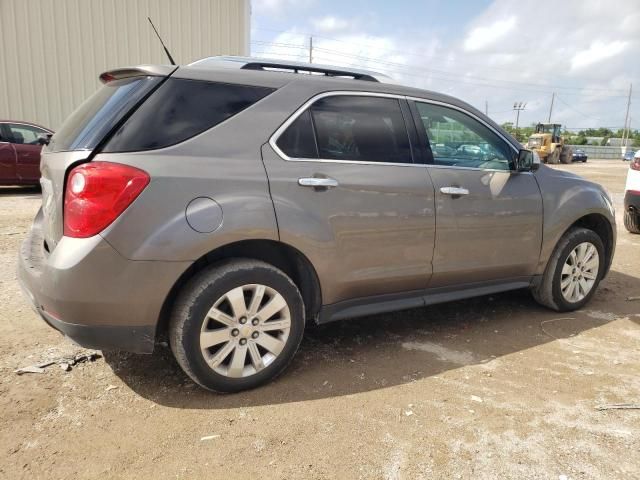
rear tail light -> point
(635, 164)
(97, 193)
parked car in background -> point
(20, 146)
(632, 196)
(628, 155)
(579, 156)
(227, 205)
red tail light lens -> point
(97, 193)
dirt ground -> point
(494, 387)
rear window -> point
(100, 113)
(349, 128)
(181, 109)
(298, 140)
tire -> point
(549, 291)
(554, 157)
(566, 156)
(632, 221)
(215, 368)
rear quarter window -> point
(180, 109)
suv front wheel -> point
(236, 325)
(573, 272)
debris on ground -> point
(632, 299)
(111, 387)
(619, 406)
(209, 437)
(65, 362)
(476, 398)
(30, 369)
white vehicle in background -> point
(632, 196)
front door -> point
(349, 197)
(488, 217)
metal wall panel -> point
(52, 51)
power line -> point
(436, 73)
(576, 110)
(289, 45)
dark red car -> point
(20, 145)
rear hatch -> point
(85, 130)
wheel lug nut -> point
(243, 341)
(254, 335)
(235, 332)
(243, 320)
(254, 322)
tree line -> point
(576, 138)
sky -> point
(484, 52)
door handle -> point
(317, 182)
(454, 191)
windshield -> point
(95, 118)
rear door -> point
(488, 217)
(25, 140)
(349, 196)
(7, 156)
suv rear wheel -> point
(236, 325)
(573, 272)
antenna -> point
(163, 45)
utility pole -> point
(626, 121)
(486, 108)
(518, 107)
(553, 96)
(310, 49)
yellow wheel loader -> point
(549, 144)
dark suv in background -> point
(234, 200)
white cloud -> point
(512, 51)
(597, 52)
(330, 24)
(486, 36)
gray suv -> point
(230, 202)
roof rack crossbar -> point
(253, 65)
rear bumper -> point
(89, 292)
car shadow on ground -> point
(381, 351)
(20, 191)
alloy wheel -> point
(579, 272)
(245, 330)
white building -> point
(52, 51)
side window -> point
(361, 128)
(180, 109)
(24, 134)
(298, 139)
(458, 140)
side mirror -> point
(528, 161)
(43, 139)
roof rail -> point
(329, 72)
(266, 64)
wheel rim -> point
(245, 330)
(579, 272)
